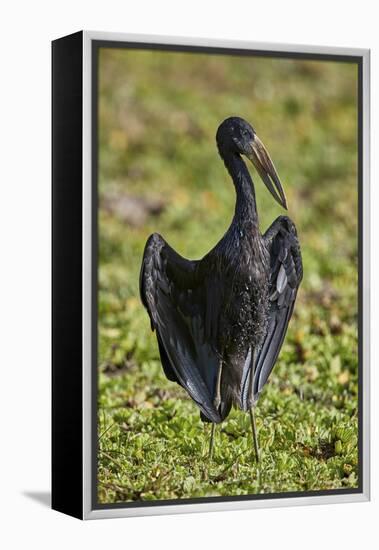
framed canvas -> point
(210, 314)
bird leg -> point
(252, 407)
(217, 399)
(254, 431)
(216, 402)
(211, 442)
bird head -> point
(238, 137)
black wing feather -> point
(286, 273)
(183, 317)
(285, 278)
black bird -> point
(221, 321)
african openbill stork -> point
(220, 321)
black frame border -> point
(67, 257)
(96, 45)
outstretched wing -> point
(181, 312)
(286, 273)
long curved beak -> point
(259, 156)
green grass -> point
(158, 116)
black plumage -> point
(221, 321)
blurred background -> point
(159, 170)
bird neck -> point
(246, 208)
